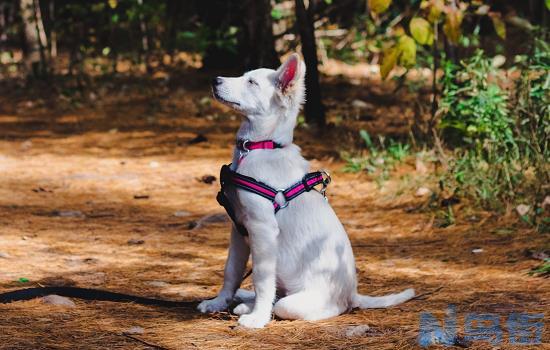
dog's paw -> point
(255, 320)
(213, 305)
(243, 308)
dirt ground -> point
(105, 193)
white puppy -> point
(301, 255)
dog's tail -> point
(368, 302)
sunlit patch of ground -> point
(108, 196)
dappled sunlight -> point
(118, 210)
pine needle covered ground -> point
(108, 194)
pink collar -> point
(246, 146)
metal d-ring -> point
(326, 180)
(282, 191)
(243, 151)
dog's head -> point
(265, 93)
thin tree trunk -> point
(144, 38)
(314, 109)
(3, 24)
(53, 32)
(40, 27)
(143, 28)
(173, 8)
(35, 38)
(434, 77)
(260, 45)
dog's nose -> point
(216, 81)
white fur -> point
(302, 254)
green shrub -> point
(500, 139)
(474, 107)
(382, 157)
(543, 269)
(531, 106)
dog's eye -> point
(252, 82)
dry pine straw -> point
(96, 165)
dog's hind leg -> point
(307, 305)
(244, 308)
(246, 299)
(244, 296)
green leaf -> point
(379, 6)
(548, 4)
(407, 47)
(23, 280)
(98, 7)
(498, 23)
(276, 14)
(389, 61)
(421, 30)
(483, 10)
(452, 26)
(366, 137)
(436, 9)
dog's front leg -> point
(235, 266)
(263, 230)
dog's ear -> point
(290, 73)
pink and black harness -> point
(247, 183)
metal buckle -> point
(281, 191)
(326, 180)
(243, 150)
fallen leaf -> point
(141, 196)
(69, 213)
(207, 179)
(357, 331)
(422, 192)
(522, 209)
(58, 301)
(134, 241)
(134, 330)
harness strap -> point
(222, 199)
(228, 176)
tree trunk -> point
(144, 38)
(314, 109)
(228, 13)
(35, 38)
(3, 24)
(173, 9)
(260, 44)
(53, 32)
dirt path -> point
(109, 197)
